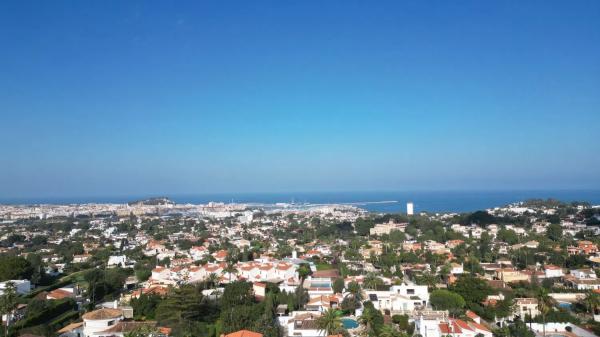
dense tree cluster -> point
(14, 268)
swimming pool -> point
(349, 323)
(565, 305)
(320, 285)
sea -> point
(373, 201)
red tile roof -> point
(472, 315)
(244, 333)
(58, 294)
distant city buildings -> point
(386, 228)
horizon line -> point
(134, 196)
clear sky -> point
(162, 97)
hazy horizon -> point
(289, 192)
(371, 200)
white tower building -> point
(410, 208)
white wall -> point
(561, 327)
(22, 286)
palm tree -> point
(229, 269)
(367, 319)
(303, 271)
(232, 255)
(330, 321)
(8, 303)
(354, 291)
(301, 296)
(545, 303)
(592, 302)
(429, 279)
(213, 279)
(371, 281)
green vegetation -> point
(105, 284)
(330, 322)
(447, 300)
(14, 268)
(372, 319)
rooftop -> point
(105, 313)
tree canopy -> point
(472, 289)
(14, 268)
(442, 299)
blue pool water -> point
(320, 285)
(565, 305)
(349, 323)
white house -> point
(560, 329)
(439, 326)
(583, 274)
(97, 321)
(525, 306)
(105, 322)
(81, 258)
(324, 302)
(412, 290)
(119, 261)
(198, 252)
(457, 269)
(400, 298)
(22, 286)
(304, 324)
(584, 284)
(428, 325)
(582, 279)
(553, 271)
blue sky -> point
(122, 97)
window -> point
(410, 291)
(111, 323)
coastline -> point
(384, 201)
